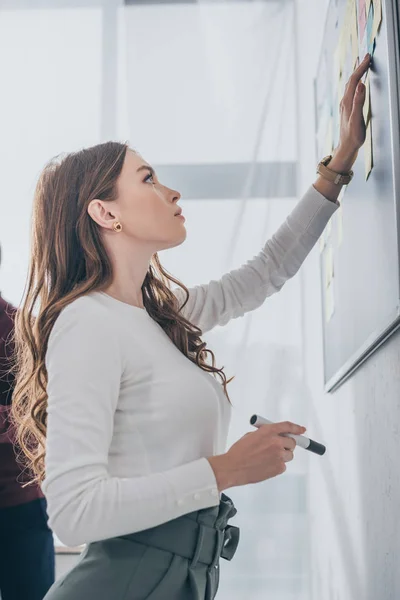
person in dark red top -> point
(27, 558)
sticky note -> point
(329, 137)
(341, 86)
(377, 18)
(341, 49)
(370, 22)
(348, 64)
(367, 103)
(336, 122)
(322, 242)
(323, 124)
(337, 65)
(354, 34)
(368, 151)
(362, 19)
(328, 266)
(341, 194)
(328, 229)
(364, 45)
(330, 263)
(329, 302)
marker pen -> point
(301, 440)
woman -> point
(120, 425)
(27, 561)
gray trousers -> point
(178, 560)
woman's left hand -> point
(352, 125)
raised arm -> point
(246, 288)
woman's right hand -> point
(257, 456)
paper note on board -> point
(336, 122)
(362, 19)
(329, 137)
(322, 242)
(329, 302)
(341, 85)
(367, 103)
(354, 34)
(328, 230)
(330, 263)
(348, 64)
(340, 52)
(364, 49)
(323, 124)
(370, 22)
(377, 17)
(341, 194)
(368, 151)
(328, 266)
(337, 66)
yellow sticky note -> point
(341, 194)
(377, 17)
(329, 137)
(354, 34)
(322, 242)
(367, 103)
(329, 302)
(341, 86)
(337, 65)
(368, 151)
(328, 229)
(342, 46)
(336, 121)
(328, 266)
(330, 263)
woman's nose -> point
(176, 194)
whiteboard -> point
(362, 308)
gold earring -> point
(117, 226)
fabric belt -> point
(193, 538)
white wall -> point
(197, 78)
(50, 65)
(354, 490)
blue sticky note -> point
(370, 21)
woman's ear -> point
(99, 212)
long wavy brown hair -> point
(69, 260)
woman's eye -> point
(150, 176)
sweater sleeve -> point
(246, 288)
(84, 502)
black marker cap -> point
(316, 448)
